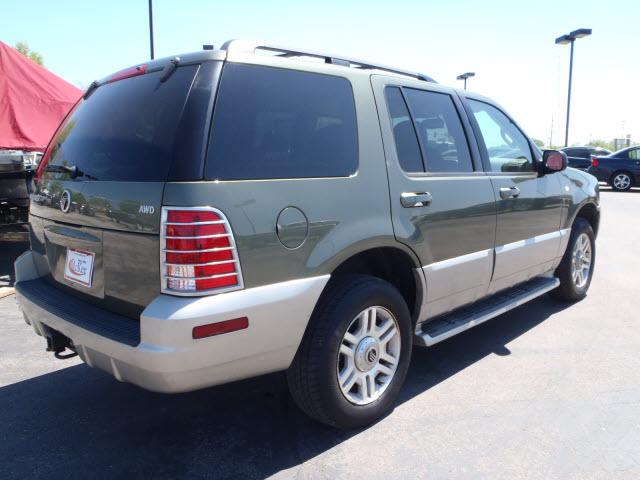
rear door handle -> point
(509, 192)
(415, 199)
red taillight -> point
(128, 73)
(190, 258)
(199, 255)
(227, 326)
(197, 243)
(195, 230)
(595, 162)
(192, 216)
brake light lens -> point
(198, 253)
(594, 161)
(128, 73)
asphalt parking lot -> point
(546, 391)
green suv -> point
(229, 213)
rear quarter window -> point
(277, 123)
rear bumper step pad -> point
(82, 314)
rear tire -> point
(354, 357)
(576, 268)
(621, 181)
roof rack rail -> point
(249, 46)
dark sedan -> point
(580, 157)
(621, 169)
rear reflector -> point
(212, 329)
(128, 73)
(198, 252)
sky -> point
(508, 44)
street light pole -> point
(566, 130)
(563, 40)
(151, 27)
(464, 77)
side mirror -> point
(553, 161)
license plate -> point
(78, 267)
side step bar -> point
(450, 324)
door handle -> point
(415, 199)
(509, 192)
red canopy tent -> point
(33, 101)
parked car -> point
(16, 172)
(621, 169)
(580, 157)
(253, 213)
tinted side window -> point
(576, 152)
(277, 123)
(582, 153)
(440, 131)
(634, 154)
(407, 147)
(507, 147)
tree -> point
(24, 49)
(602, 144)
(538, 142)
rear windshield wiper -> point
(169, 68)
(90, 90)
(72, 170)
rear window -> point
(278, 123)
(124, 131)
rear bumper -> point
(166, 358)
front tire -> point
(621, 181)
(576, 268)
(354, 357)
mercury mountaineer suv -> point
(228, 213)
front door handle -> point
(509, 192)
(415, 199)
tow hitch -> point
(58, 343)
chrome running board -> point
(450, 324)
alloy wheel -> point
(369, 355)
(581, 261)
(622, 181)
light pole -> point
(464, 77)
(563, 40)
(151, 27)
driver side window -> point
(507, 147)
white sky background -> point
(509, 44)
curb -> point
(6, 291)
